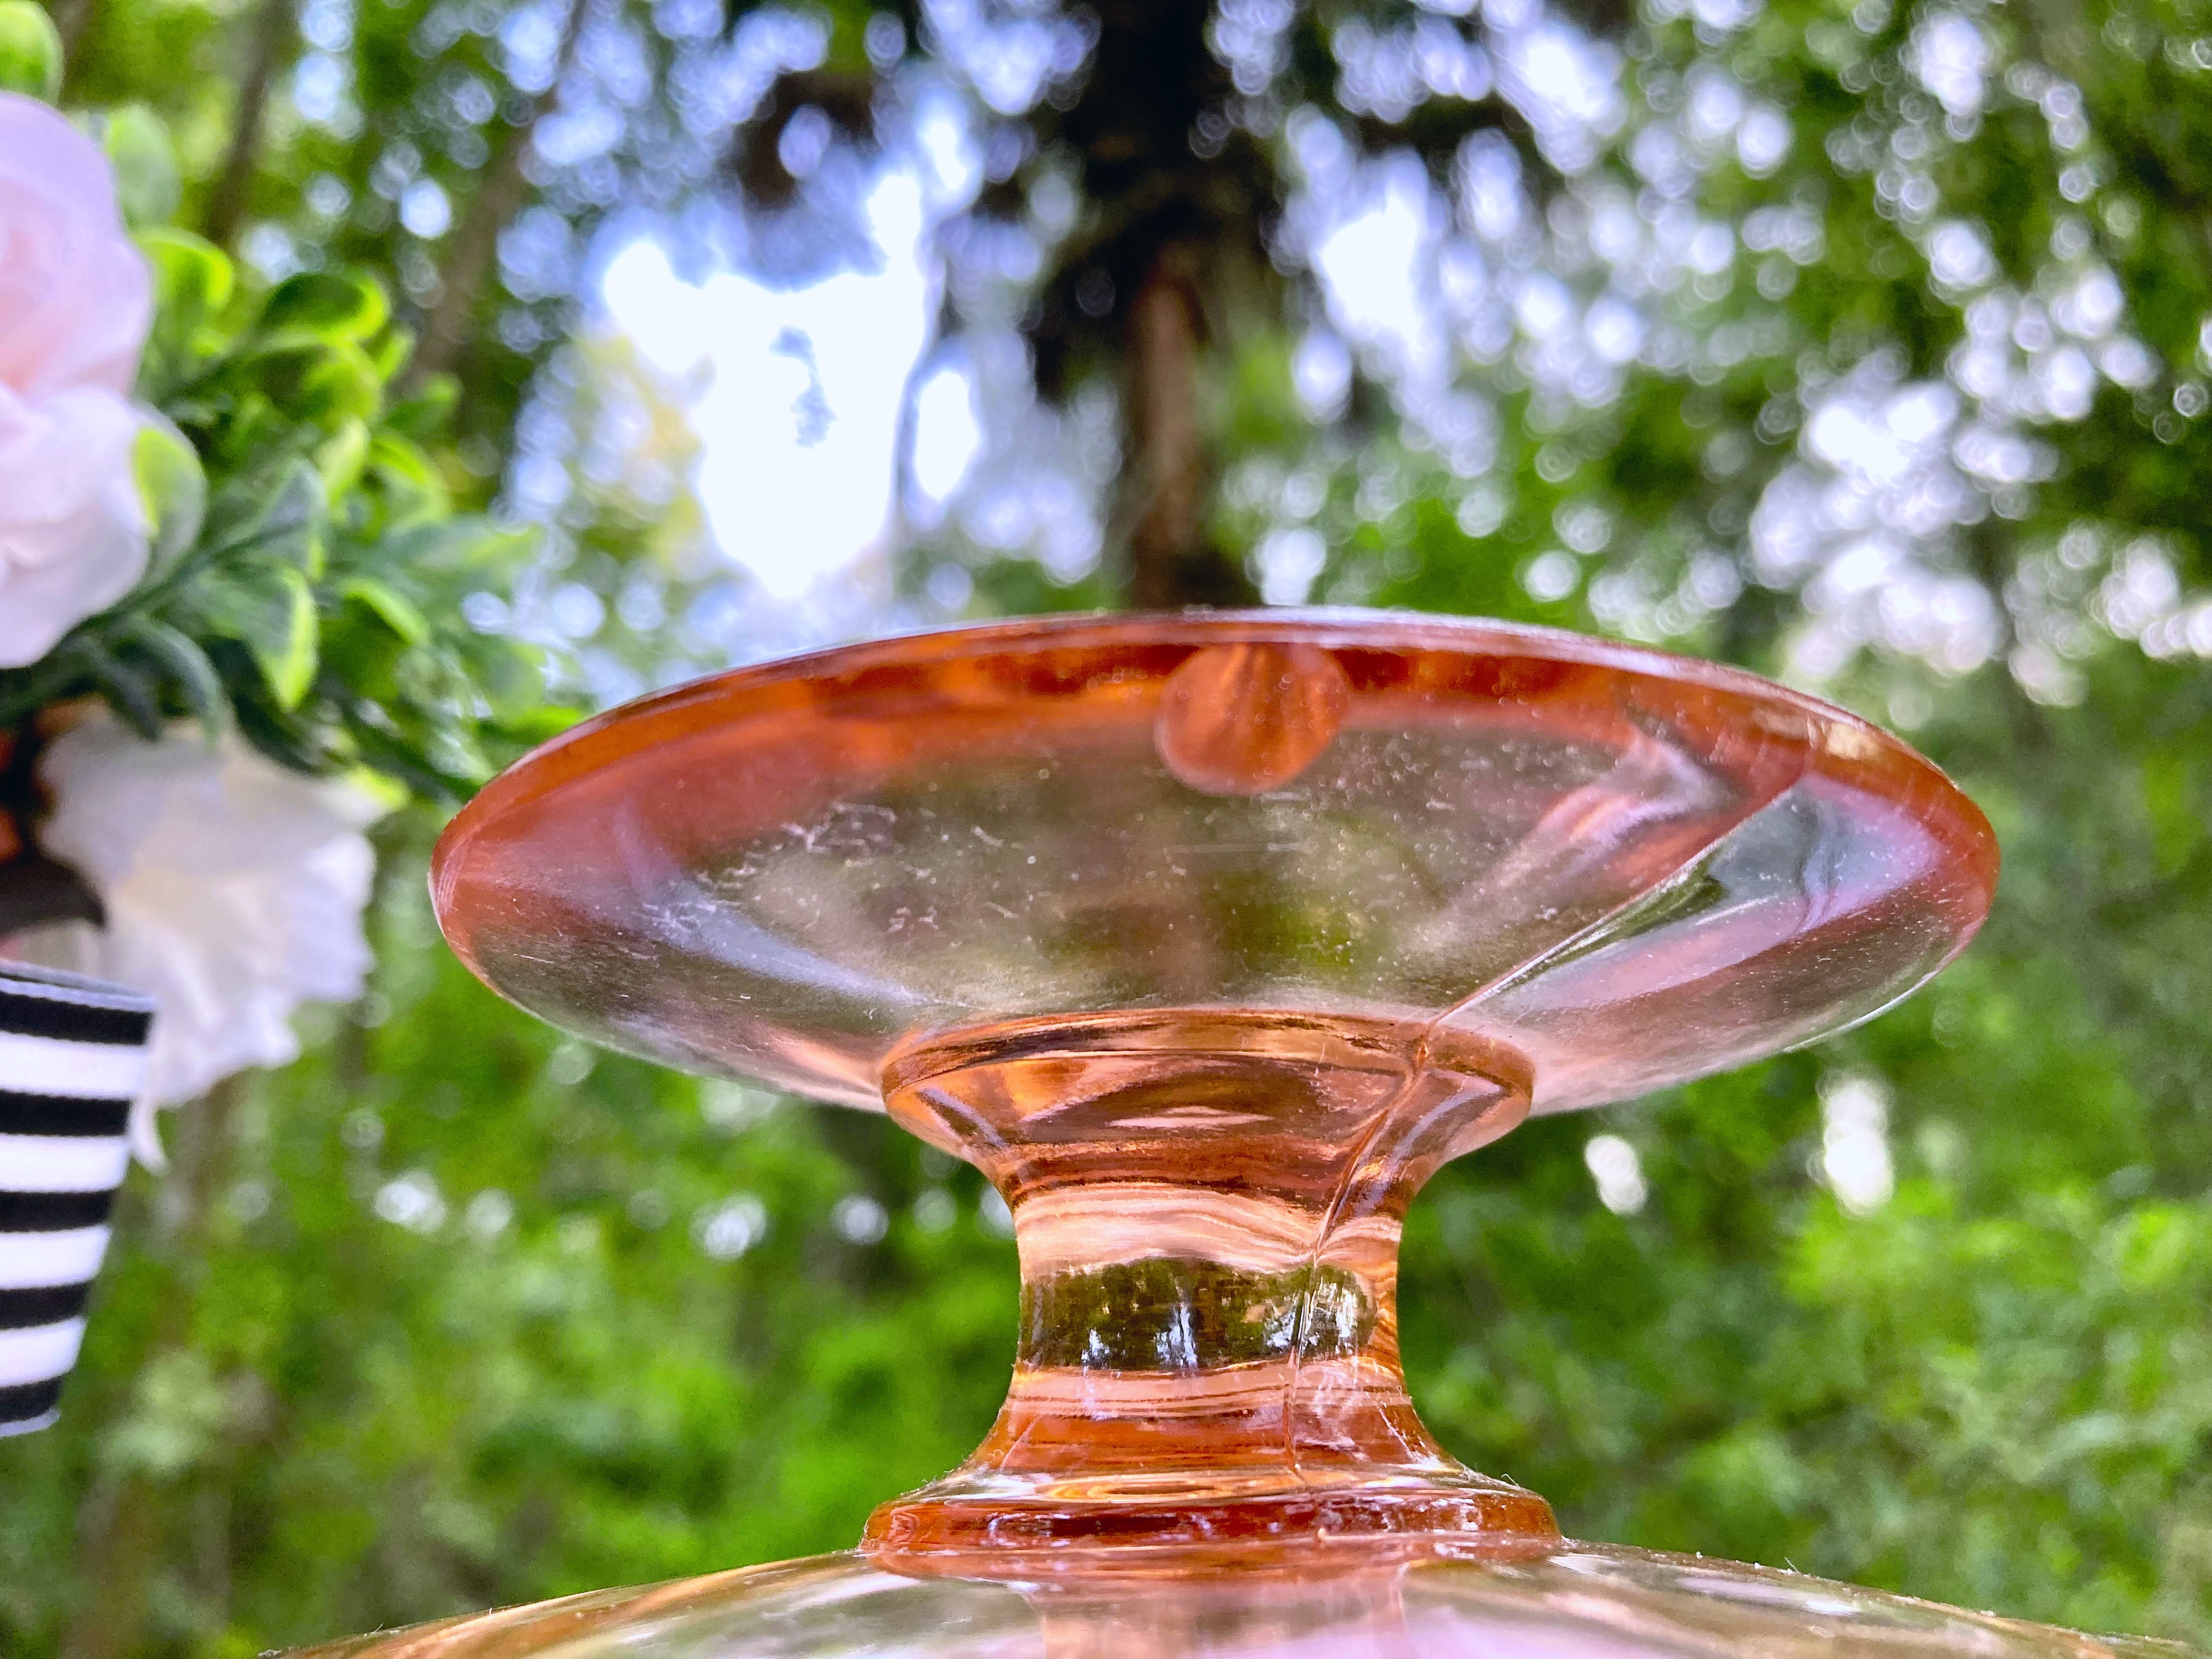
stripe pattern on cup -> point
(72, 1061)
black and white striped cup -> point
(72, 1061)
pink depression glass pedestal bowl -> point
(1207, 939)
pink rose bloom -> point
(72, 527)
(75, 301)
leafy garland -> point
(307, 563)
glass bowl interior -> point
(1627, 867)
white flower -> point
(75, 301)
(73, 531)
(233, 891)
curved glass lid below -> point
(1572, 1601)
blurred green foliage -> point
(307, 566)
(452, 1333)
(455, 1312)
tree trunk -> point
(127, 1522)
(274, 27)
(73, 22)
(499, 195)
(1167, 474)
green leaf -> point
(342, 456)
(307, 746)
(542, 723)
(411, 481)
(286, 528)
(30, 50)
(173, 488)
(270, 609)
(192, 284)
(399, 613)
(386, 790)
(319, 382)
(130, 691)
(390, 354)
(426, 414)
(475, 547)
(512, 676)
(335, 307)
(189, 272)
(148, 184)
(188, 668)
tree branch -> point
(73, 22)
(500, 194)
(274, 27)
